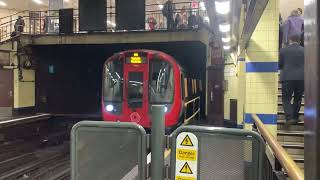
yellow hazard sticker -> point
(186, 169)
(186, 141)
(186, 154)
(185, 178)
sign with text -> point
(186, 156)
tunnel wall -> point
(69, 76)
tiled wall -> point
(262, 68)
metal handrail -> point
(195, 112)
(192, 100)
(294, 172)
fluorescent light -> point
(226, 47)
(66, 0)
(226, 39)
(160, 6)
(202, 6)
(222, 7)
(3, 3)
(224, 27)
(38, 1)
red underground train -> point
(135, 80)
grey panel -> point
(225, 153)
(102, 150)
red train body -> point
(135, 80)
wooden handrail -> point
(294, 172)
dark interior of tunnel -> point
(69, 76)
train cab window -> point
(135, 89)
(113, 81)
(161, 81)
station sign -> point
(186, 156)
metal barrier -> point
(294, 172)
(102, 150)
(216, 153)
(195, 109)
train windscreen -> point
(113, 81)
(161, 82)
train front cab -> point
(133, 81)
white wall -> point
(286, 6)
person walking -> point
(292, 26)
(291, 64)
(19, 25)
(168, 11)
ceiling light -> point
(38, 1)
(202, 6)
(226, 47)
(224, 27)
(226, 39)
(160, 6)
(66, 0)
(3, 3)
(206, 19)
(222, 7)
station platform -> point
(15, 120)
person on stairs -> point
(291, 64)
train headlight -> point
(109, 108)
(165, 108)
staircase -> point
(293, 138)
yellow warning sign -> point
(186, 141)
(186, 169)
(186, 154)
(185, 178)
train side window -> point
(161, 81)
(113, 81)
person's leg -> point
(287, 91)
(298, 93)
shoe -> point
(293, 121)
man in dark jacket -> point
(168, 12)
(291, 64)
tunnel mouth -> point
(69, 77)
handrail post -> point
(157, 142)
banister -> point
(294, 172)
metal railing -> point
(292, 169)
(195, 102)
(35, 20)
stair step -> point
(280, 108)
(291, 133)
(299, 159)
(293, 148)
(280, 100)
(290, 136)
(282, 112)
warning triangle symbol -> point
(186, 141)
(186, 169)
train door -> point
(136, 92)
